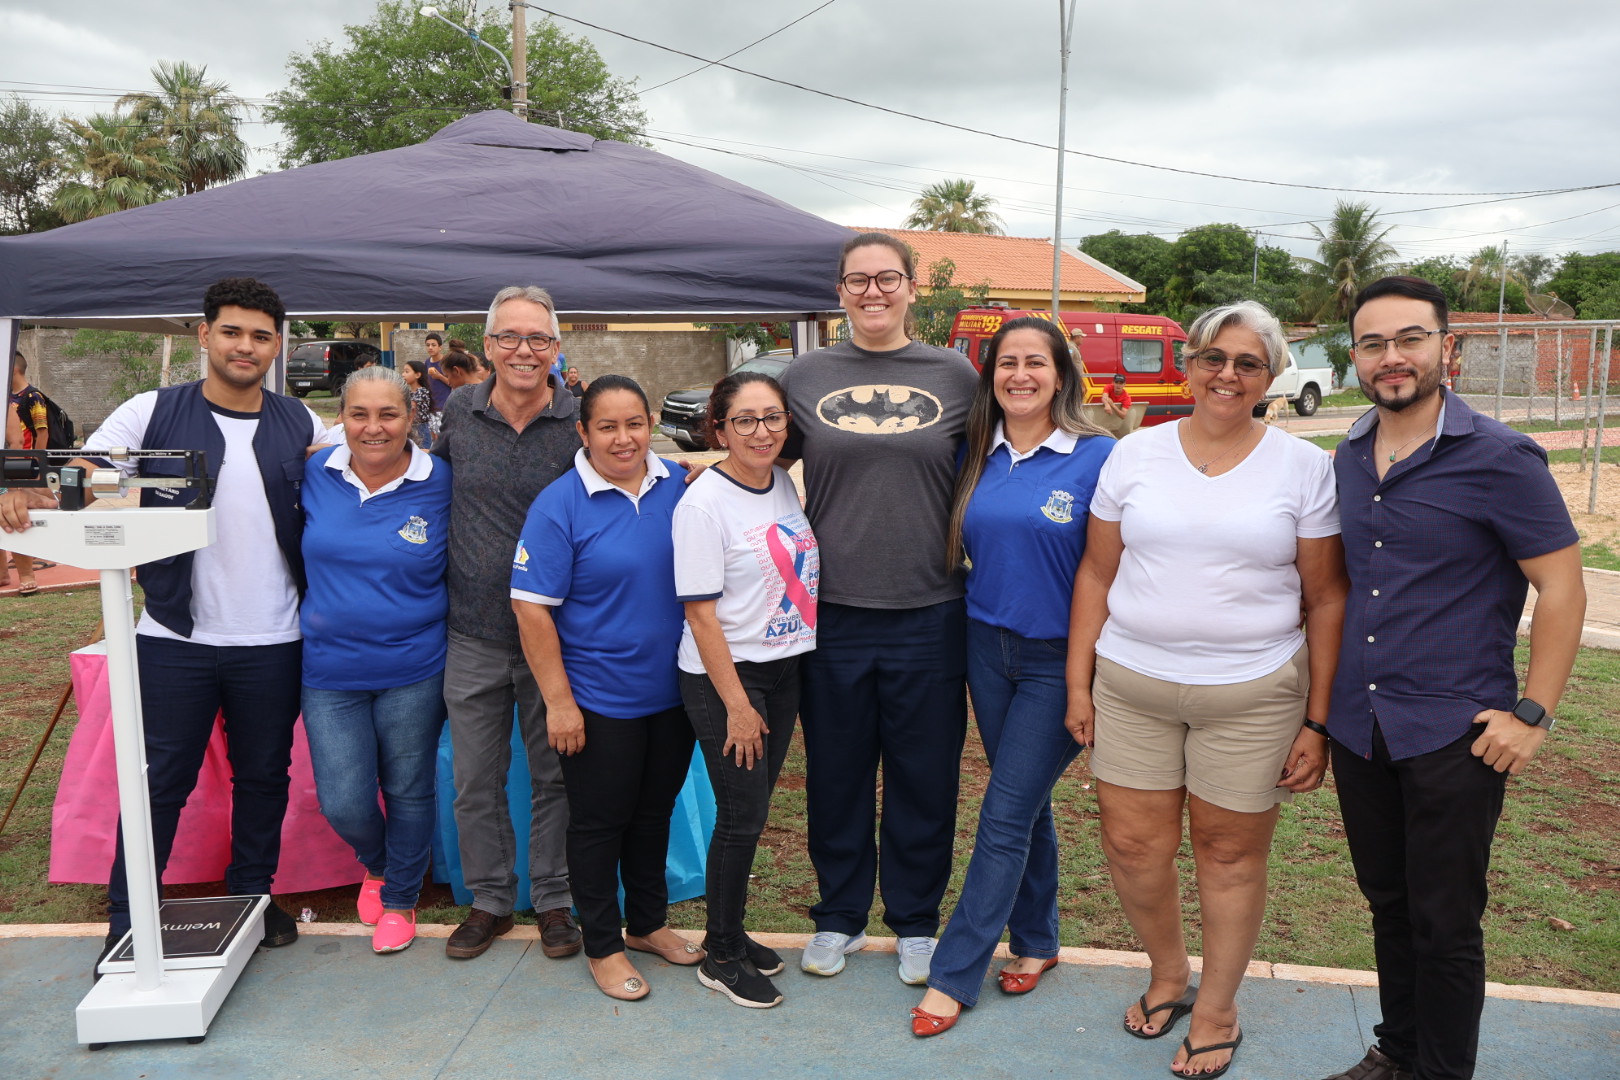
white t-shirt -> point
(242, 592)
(752, 551)
(1207, 591)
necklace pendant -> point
(1204, 468)
(1392, 456)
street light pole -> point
(1065, 31)
(520, 60)
(520, 103)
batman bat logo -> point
(879, 409)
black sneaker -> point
(764, 958)
(740, 981)
(280, 928)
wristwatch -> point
(1533, 714)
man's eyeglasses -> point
(746, 425)
(887, 281)
(537, 342)
(1246, 366)
(1408, 343)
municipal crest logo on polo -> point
(415, 530)
(1059, 507)
(520, 561)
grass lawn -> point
(1348, 398)
(1557, 853)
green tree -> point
(1143, 257)
(402, 76)
(936, 309)
(1351, 252)
(114, 165)
(30, 167)
(1591, 283)
(763, 336)
(1534, 270)
(138, 358)
(197, 119)
(955, 206)
(1481, 282)
(1225, 287)
(1445, 272)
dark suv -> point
(323, 365)
(681, 417)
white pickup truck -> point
(1303, 387)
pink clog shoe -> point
(395, 931)
(369, 905)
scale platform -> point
(206, 944)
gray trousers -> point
(482, 681)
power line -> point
(745, 48)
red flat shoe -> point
(1021, 982)
(924, 1024)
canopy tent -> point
(430, 232)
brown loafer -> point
(475, 936)
(685, 954)
(559, 933)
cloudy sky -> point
(1425, 104)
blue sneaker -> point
(916, 956)
(826, 951)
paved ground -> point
(326, 1007)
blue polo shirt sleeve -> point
(543, 564)
(700, 555)
(1525, 507)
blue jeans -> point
(363, 741)
(184, 685)
(1019, 698)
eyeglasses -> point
(537, 342)
(746, 425)
(887, 281)
(1247, 367)
(1409, 343)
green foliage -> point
(1225, 287)
(402, 76)
(1141, 256)
(1351, 252)
(115, 166)
(30, 167)
(197, 119)
(1334, 338)
(954, 206)
(139, 358)
(1204, 267)
(763, 336)
(1481, 284)
(1591, 283)
(1445, 272)
(936, 309)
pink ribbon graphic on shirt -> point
(789, 566)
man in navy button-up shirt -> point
(1447, 516)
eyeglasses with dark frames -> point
(1408, 344)
(887, 281)
(746, 425)
(1247, 367)
(537, 342)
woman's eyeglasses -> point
(746, 425)
(887, 281)
(1246, 366)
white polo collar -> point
(420, 468)
(1060, 441)
(595, 485)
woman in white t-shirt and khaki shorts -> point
(1207, 539)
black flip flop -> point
(1193, 1052)
(1178, 1009)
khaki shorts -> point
(1225, 744)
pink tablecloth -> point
(85, 818)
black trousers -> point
(1420, 832)
(621, 791)
(742, 797)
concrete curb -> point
(1258, 969)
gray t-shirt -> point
(498, 472)
(878, 433)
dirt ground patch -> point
(1576, 486)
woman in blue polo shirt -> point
(1019, 516)
(593, 586)
(376, 517)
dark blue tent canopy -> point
(431, 231)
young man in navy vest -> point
(1448, 516)
(220, 629)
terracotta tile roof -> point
(1490, 317)
(1008, 262)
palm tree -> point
(197, 118)
(953, 206)
(116, 167)
(1352, 252)
(1483, 278)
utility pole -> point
(1065, 30)
(520, 61)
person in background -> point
(29, 405)
(219, 633)
(485, 369)
(15, 437)
(879, 421)
(459, 369)
(507, 438)
(376, 529)
(571, 379)
(438, 381)
(1115, 401)
(1019, 517)
(1449, 517)
(593, 591)
(421, 398)
(748, 570)
(1188, 671)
